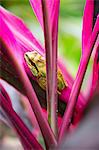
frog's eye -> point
(31, 65)
(35, 71)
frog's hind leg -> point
(42, 82)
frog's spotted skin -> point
(37, 66)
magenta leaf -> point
(26, 138)
(87, 22)
(4, 93)
(19, 29)
(91, 12)
(8, 71)
(95, 78)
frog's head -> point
(30, 60)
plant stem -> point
(50, 35)
(54, 98)
(48, 48)
(78, 82)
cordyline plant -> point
(34, 70)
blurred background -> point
(69, 45)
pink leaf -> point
(95, 79)
(26, 137)
(19, 29)
(53, 12)
(87, 22)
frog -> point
(37, 65)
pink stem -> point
(30, 93)
(4, 93)
(51, 66)
(78, 82)
(48, 48)
(54, 98)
